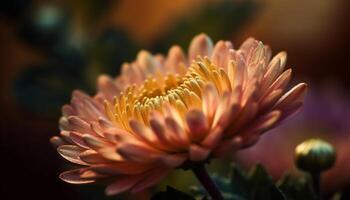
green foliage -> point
(239, 185)
(296, 188)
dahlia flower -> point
(163, 113)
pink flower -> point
(164, 112)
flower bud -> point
(314, 155)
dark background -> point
(49, 48)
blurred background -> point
(49, 48)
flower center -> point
(182, 92)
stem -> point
(316, 178)
(204, 178)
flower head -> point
(314, 155)
(164, 111)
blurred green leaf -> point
(296, 188)
(242, 186)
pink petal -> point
(137, 152)
(296, 94)
(228, 146)
(213, 138)
(210, 101)
(79, 125)
(94, 142)
(143, 132)
(198, 153)
(175, 57)
(110, 153)
(275, 68)
(77, 138)
(92, 157)
(197, 125)
(57, 141)
(248, 44)
(172, 160)
(73, 177)
(176, 133)
(265, 122)
(221, 55)
(71, 153)
(159, 129)
(154, 177)
(122, 184)
(107, 86)
(67, 110)
(147, 62)
(118, 168)
(270, 99)
(201, 45)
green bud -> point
(314, 155)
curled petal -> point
(71, 153)
(296, 94)
(74, 177)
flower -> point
(162, 112)
(314, 155)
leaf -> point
(239, 182)
(262, 186)
(296, 188)
(172, 194)
(241, 186)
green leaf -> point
(296, 188)
(241, 186)
(262, 186)
(172, 194)
(239, 182)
